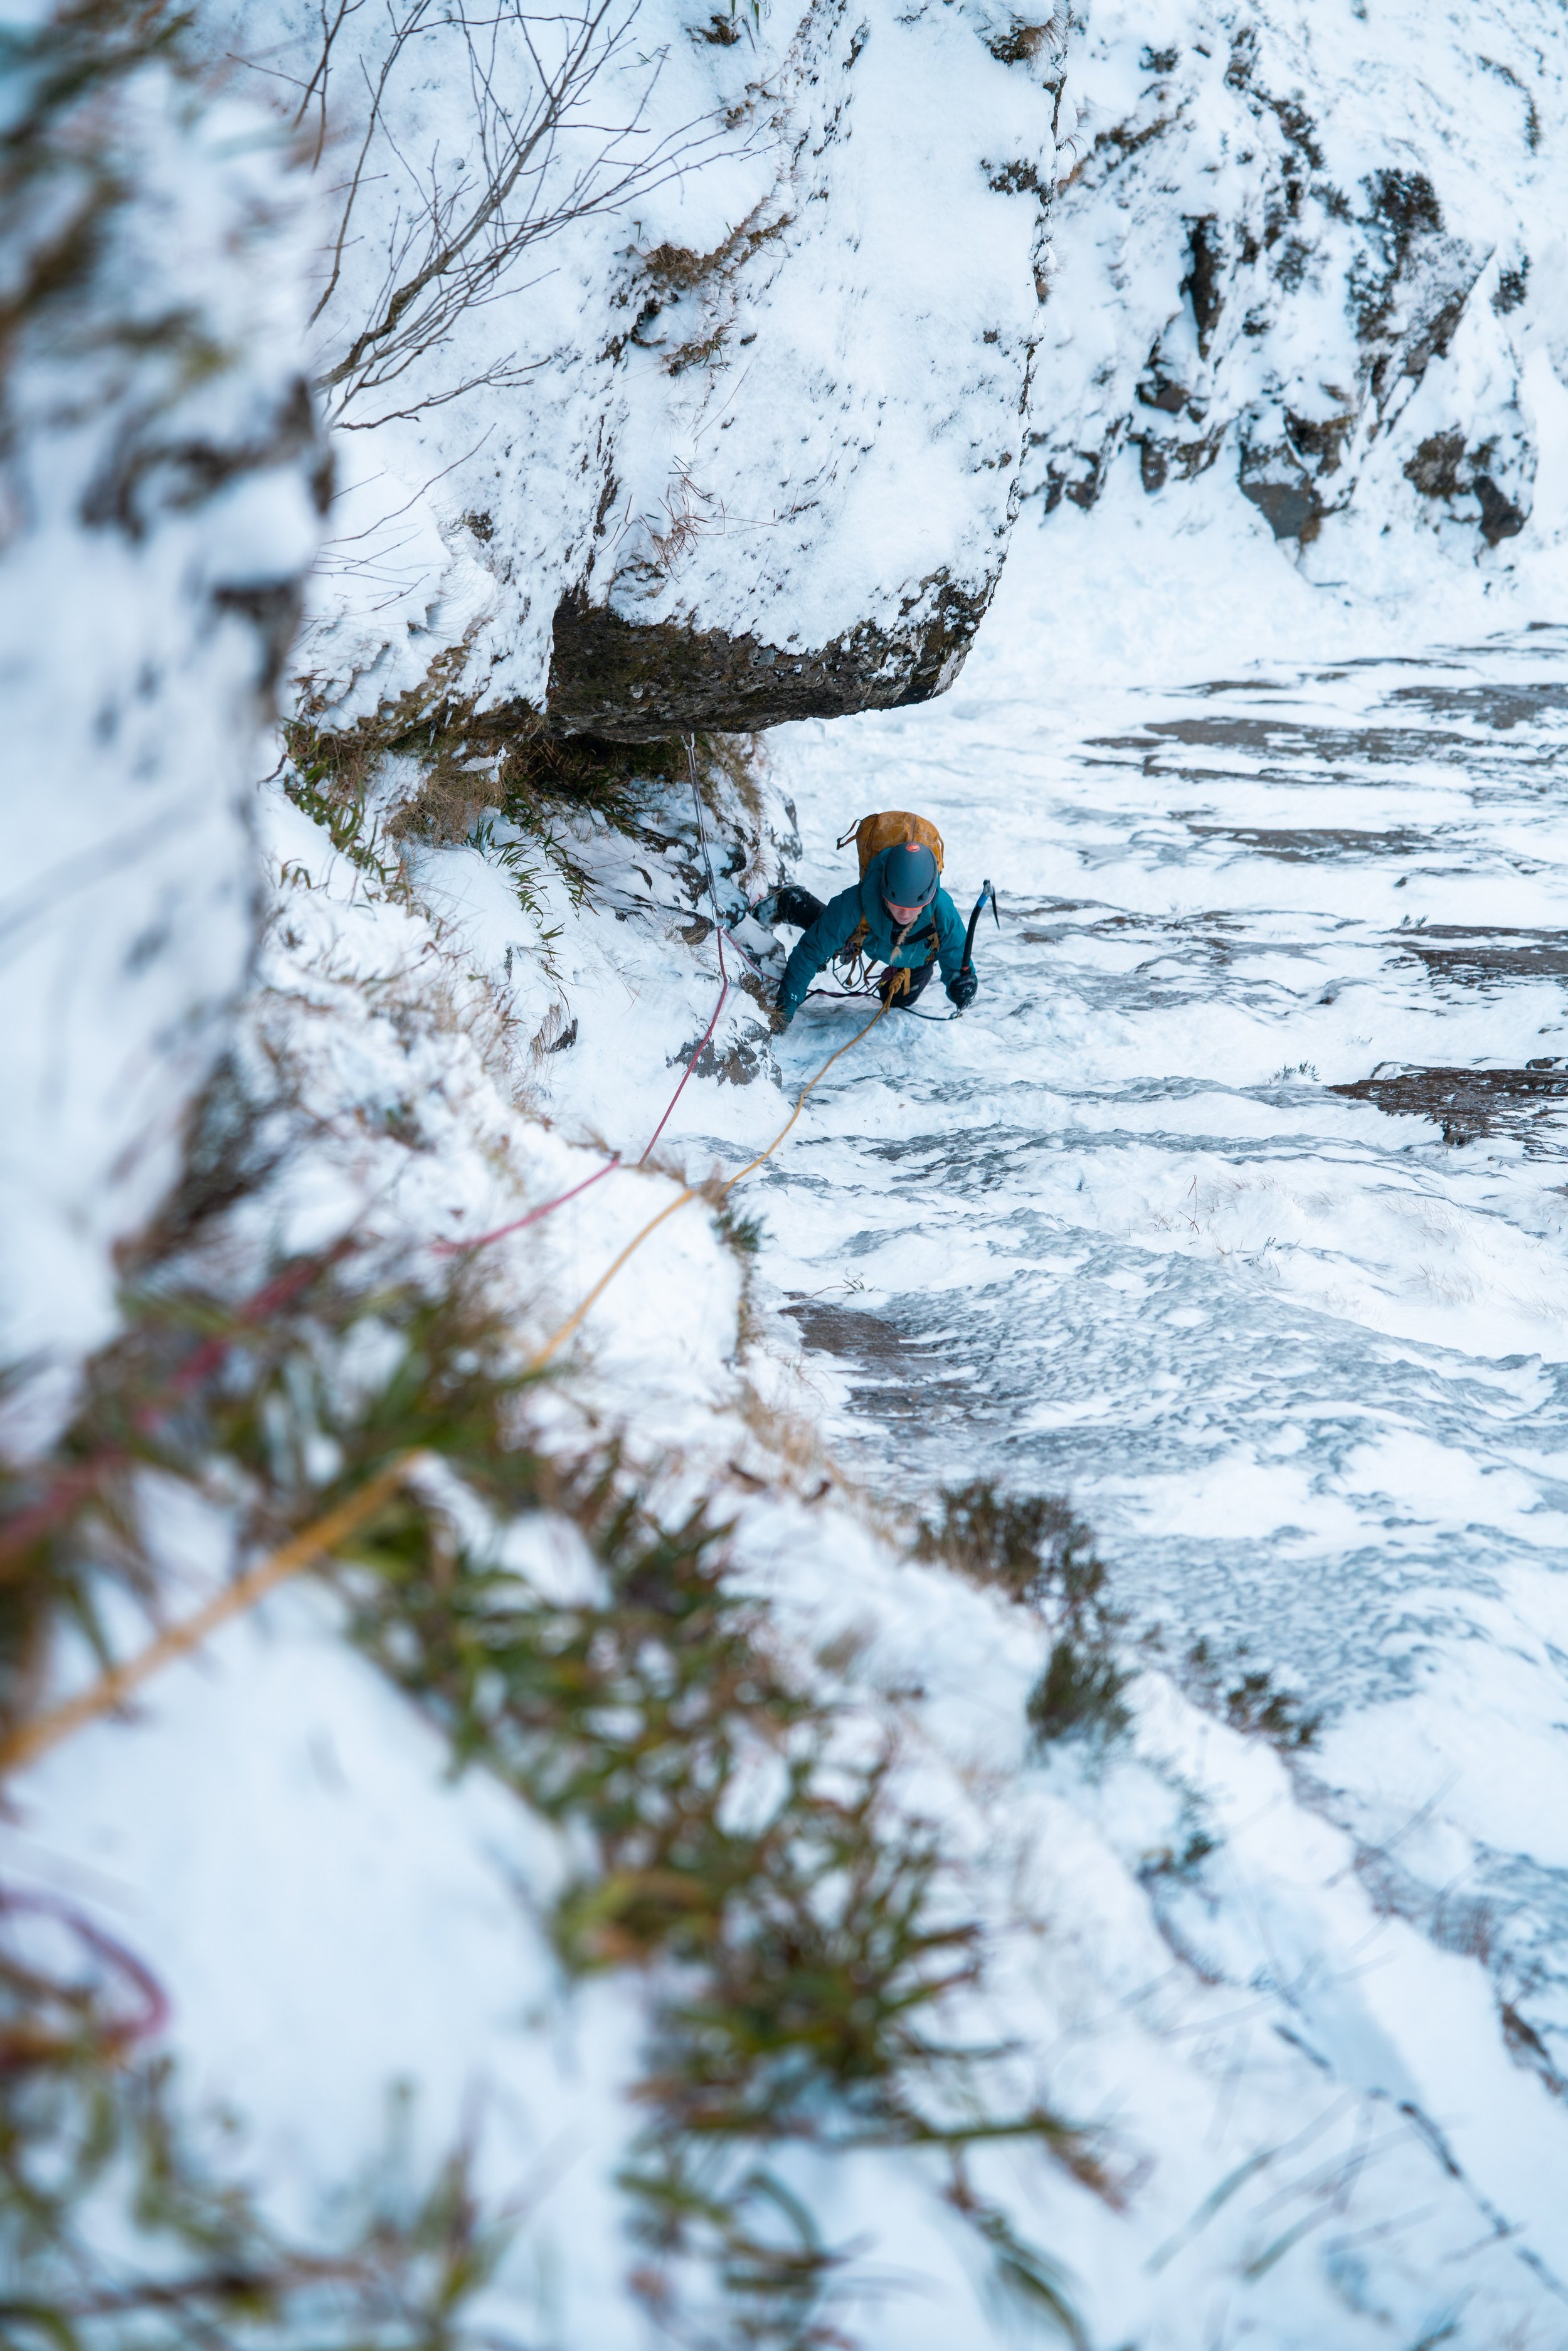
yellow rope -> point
(35, 1739)
(605, 1278)
(558, 1337)
(795, 1114)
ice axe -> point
(987, 895)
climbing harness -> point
(871, 987)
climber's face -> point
(902, 916)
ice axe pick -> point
(988, 897)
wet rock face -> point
(633, 682)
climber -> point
(897, 913)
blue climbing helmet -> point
(909, 877)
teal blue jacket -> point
(937, 931)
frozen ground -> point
(1301, 1361)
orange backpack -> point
(874, 833)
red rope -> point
(483, 1240)
(211, 1352)
(451, 1248)
(696, 1058)
(119, 2032)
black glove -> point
(962, 988)
(778, 1019)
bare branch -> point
(535, 163)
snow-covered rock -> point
(1317, 244)
(161, 476)
(744, 447)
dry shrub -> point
(1038, 1552)
(804, 1952)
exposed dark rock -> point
(1287, 503)
(1320, 439)
(1272, 476)
(1020, 43)
(1018, 180)
(1444, 468)
(1157, 390)
(1511, 287)
(1404, 203)
(1435, 467)
(1494, 704)
(1204, 281)
(1466, 1102)
(1500, 518)
(1309, 845)
(1081, 477)
(628, 682)
(743, 1062)
(1500, 956)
